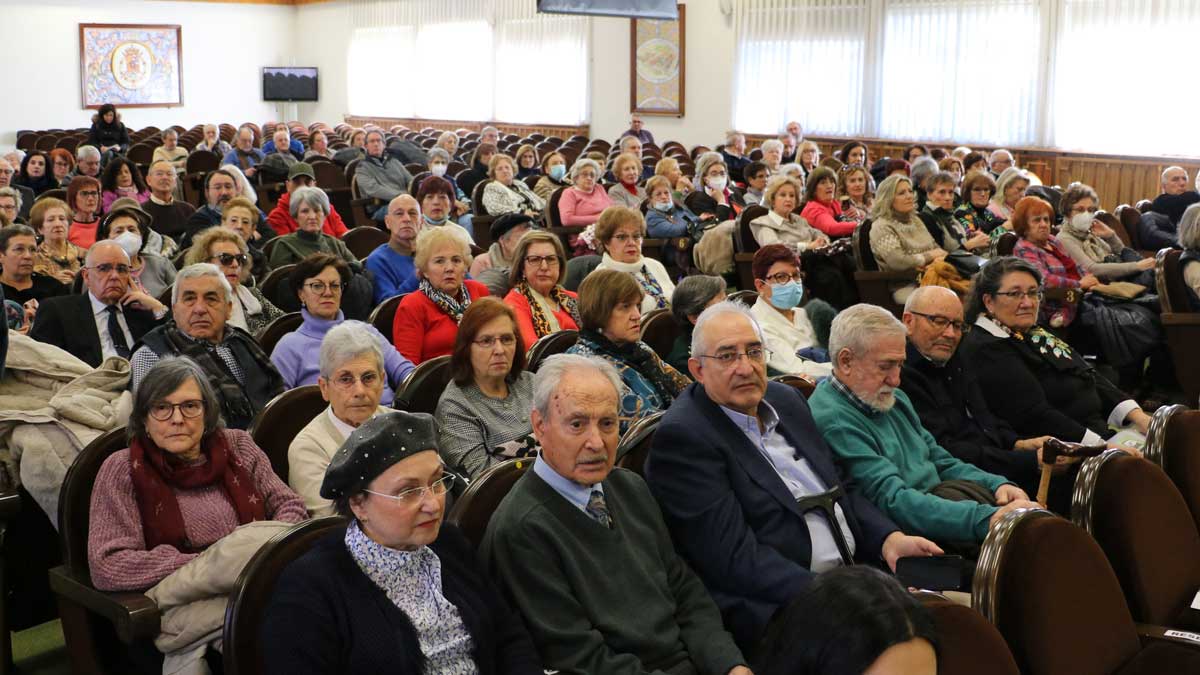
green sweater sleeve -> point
(948, 466)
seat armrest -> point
(133, 615)
(10, 503)
(1180, 318)
(1148, 633)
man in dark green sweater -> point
(582, 550)
(879, 440)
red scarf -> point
(630, 187)
(156, 475)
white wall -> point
(326, 27)
(222, 80)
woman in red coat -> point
(427, 319)
(541, 304)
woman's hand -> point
(1146, 264)
(249, 172)
(65, 276)
(718, 195)
(935, 255)
(1101, 230)
(460, 208)
(1088, 282)
(979, 240)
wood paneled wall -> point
(450, 125)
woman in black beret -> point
(397, 591)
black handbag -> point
(965, 263)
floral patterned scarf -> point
(541, 325)
(447, 304)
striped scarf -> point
(541, 325)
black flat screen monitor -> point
(289, 84)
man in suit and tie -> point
(120, 314)
(748, 486)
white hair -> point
(1169, 169)
(923, 168)
(345, 342)
(723, 308)
(98, 246)
(242, 183)
(197, 270)
(1189, 228)
(625, 141)
(857, 327)
(552, 371)
(486, 130)
(772, 144)
(86, 152)
(998, 153)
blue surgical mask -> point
(786, 296)
(431, 221)
(558, 171)
(664, 206)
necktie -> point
(117, 335)
(598, 509)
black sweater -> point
(326, 617)
(103, 135)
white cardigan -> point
(656, 270)
(785, 337)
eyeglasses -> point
(163, 411)
(88, 193)
(228, 259)
(784, 277)
(1036, 294)
(319, 287)
(728, 359)
(940, 322)
(6, 172)
(539, 260)
(107, 268)
(506, 340)
(623, 238)
(413, 496)
(347, 380)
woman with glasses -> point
(129, 226)
(620, 233)
(309, 207)
(228, 251)
(1031, 221)
(241, 216)
(539, 302)
(1094, 246)
(974, 213)
(83, 196)
(319, 281)
(427, 319)
(610, 306)
(62, 163)
(352, 380)
(183, 483)
(788, 327)
(1032, 379)
(55, 256)
(395, 591)
(483, 414)
(581, 204)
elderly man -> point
(734, 154)
(581, 549)
(392, 262)
(282, 139)
(168, 215)
(280, 219)
(121, 314)
(239, 370)
(748, 487)
(491, 268)
(1175, 198)
(878, 438)
(638, 129)
(949, 400)
(7, 171)
(244, 154)
(379, 175)
(87, 162)
(489, 135)
(999, 160)
(219, 187)
(277, 156)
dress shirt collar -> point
(342, 428)
(756, 427)
(573, 492)
(98, 307)
(866, 408)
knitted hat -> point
(374, 447)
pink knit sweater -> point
(117, 552)
(581, 208)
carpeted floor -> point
(41, 651)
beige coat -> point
(309, 455)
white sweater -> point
(656, 270)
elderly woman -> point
(854, 152)
(212, 142)
(55, 256)
(664, 217)
(122, 178)
(1010, 187)
(583, 202)
(668, 167)
(1092, 244)
(228, 251)
(781, 225)
(1032, 379)
(483, 414)
(788, 327)
(628, 169)
(352, 380)
(183, 483)
(129, 226)
(772, 154)
(318, 146)
(439, 164)
(448, 141)
(938, 216)
(821, 209)
(427, 319)
(480, 170)
(309, 207)
(899, 240)
(975, 161)
(756, 175)
(36, 173)
(396, 591)
(1189, 241)
(620, 233)
(170, 151)
(19, 283)
(244, 188)
(319, 281)
(854, 192)
(505, 194)
(975, 213)
(610, 305)
(1031, 221)
(61, 165)
(692, 296)
(554, 174)
(241, 216)
(713, 200)
(954, 167)
(83, 196)
(358, 139)
(540, 304)
(527, 162)
(808, 156)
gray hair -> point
(247, 130)
(960, 152)
(723, 308)
(446, 135)
(486, 130)
(772, 144)
(856, 328)
(11, 192)
(552, 371)
(998, 153)
(626, 139)
(86, 152)
(989, 279)
(692, 294)
(918, 296)
(439, 153)
(705, 162)
(884, 196)
(211, 126)
(731, 136)
(167, 133)
(793, 167)
(281, 129)
(163, 379)
(1007, 177)
(583, 163)
(314, 197)
(922, 168)
(345, 342)
(197, 270)
(1189, 228)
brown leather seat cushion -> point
(1182, 458)
(967, 643)
(1161, 658)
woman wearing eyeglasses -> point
(788, 327)
(620, 233)
(55, 256)
(1032, 379)
(1031, 220)
(483, 415)
(309, 208)
(352, 380)
(228, 251)
(541, 305)
(83, 196)
(396, 590)
(319, 281)
(184, 482)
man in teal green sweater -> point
(879, 440)
(582, 550)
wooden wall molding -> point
(417, 124)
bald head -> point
(1174, 180)
(933, 316)
(102, 276)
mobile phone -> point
(934, 573)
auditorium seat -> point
(805, 385)
(362, 240)
(473, 510)
(659, 331)
(281, 419)
(967, 643)
(1174, 444)
(634, 446)
(557, 342)
(1180, 323)
(874, 285)
(269, 335)
(424, 386)
(383, 317)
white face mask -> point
(130, 241)
(438, 170)
(718, 183)
(1081, 223)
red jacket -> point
(421, 331)
(525, 317)
(280, 219)
(824, 217)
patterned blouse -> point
(1058, 270)
(641, 397)
(412, 580)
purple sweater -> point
(297, 355)
(117, 552)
